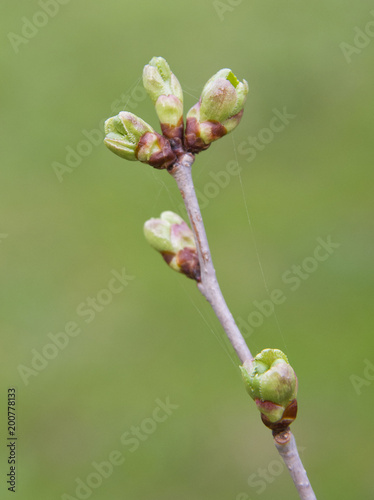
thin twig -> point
(209, 287)
(286, 445)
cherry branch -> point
(269, 378)
(208, 285)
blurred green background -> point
(62, 237)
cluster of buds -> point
(271, 381)
(172, 237)
(218, 112)
(269, 378)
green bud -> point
(272, 383)
(218, 111)
(166, 93)
(172, 218)
(231, 123)
(130, 137)
(123, 133)
(172, 237)
(157, 233)
(159, 80)
(223, 96)
(169, 110)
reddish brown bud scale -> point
(193, 139)
(160, 159)
(174, 133)
(217, 130)
(188, 261)
(167, 256)
(288, 417)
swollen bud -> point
(272, 383)
(159, 80)
(218, 111)
(123, 133)
(172, 237)
(166, 93)
(130, 137)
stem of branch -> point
(286, 445)
(209, 287)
